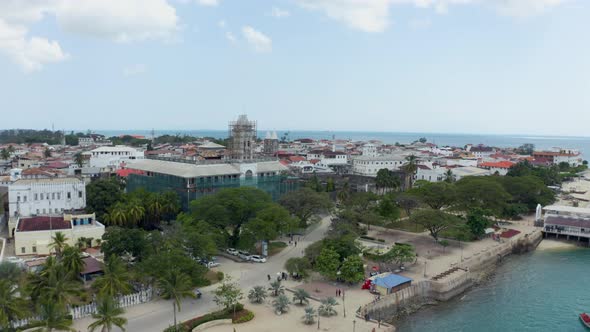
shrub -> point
(248, 316)
(220, 275)
(381, 240)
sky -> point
(445, 66)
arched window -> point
(248, 174)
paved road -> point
(157, 315)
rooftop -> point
(567, 209)
(54, 180)
(44, 223)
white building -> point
(369, 150)
(430, 172)
(108, 158)
(461, 172)
(328, 158)
(560, 155)
(44, 196)
(481, 151)
(32, 235)
(369, 166)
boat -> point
(585, 318)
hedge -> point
(241, 316)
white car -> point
(258, 259)
(232, 251)
(212, 264)
(244, 255)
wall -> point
(41, 239)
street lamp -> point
(343, 304)
(354, 325)
(319, 318)
(425, 268)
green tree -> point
(328, 263)
(117, 215)
(101, 195)
(299, 265)
(53, 318)
(481, 192)
(407, 202)
(330, 187)
(435, 221)
(276, 288)
(388, 208)
(410, 168)
(449, 176)
(281, 304)
(436, 195)
(301, 295)
(135, 211)
(228, 294)
(477, 221)
(175, 285)
(58, 242)
(305, 203)
(79, 159)
(309, 317)
(4, 154)
(115, 278)
(352, 269)
(400, 254)
(327, 307)
(108, 315)
(10, 271)
(386, 180)
(257, 294)
(344, 192)
(12, 305)
(120, 242)
(72, 260)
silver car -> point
(258, 259)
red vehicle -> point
(585, 318)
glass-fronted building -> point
(191, 181)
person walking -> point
(268, 275)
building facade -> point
(109, 158)
(369, 166)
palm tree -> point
(58, 243)
(327, 307)
(175, 285)
(107, 315)
(60, 287)
(79, 159)
(81, 242)
(410, 168)
(277, 288)
(53, 317)
(12, 306)
(344, 192)
(257, 294)
(155, 207)
(301, 295)
(115, 279)
(4, 154)
(281, 304)
(72, 260)
(171, 203)
(135, 212)
(117, 215)
(449, 176)
(309, 317)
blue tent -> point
(391, 281)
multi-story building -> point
(481, 151)
(559, 155)
(191, 181)
(369, 165)
(566, 221)
(109, 158)
(497, 167)
(328, 158)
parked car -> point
(232, 251)
(258, 259)
(244, 255)
(212, 264)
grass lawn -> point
(276, 247)
(462, 233)
(406, 225)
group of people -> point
(339, 292)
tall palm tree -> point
(175, 285)
(135, 211)
(79, 159)
(53, 317)
(155, 208)
(115, 279)
(60, 287)
(4, 154)
(410, 168)
(117, 215)
(72, 260)
(107, 315)
(344, 192)
(301, 295)
(449, 176)
(58, 243)
(12, 305)
(170, 203)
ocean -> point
(540, 142)
(540, 291)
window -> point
(36, 197)
(22, 250)
(25, 198)
(34, 249)
(80, 194)
(56, 210)
(18, 198)
(58, 195)
(69, 195)
(52, 195)
(43, 211)
(41, 196)
(37, 211)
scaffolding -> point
(242, 138)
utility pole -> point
(343, 304)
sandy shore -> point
(549, 244)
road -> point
(157, 315)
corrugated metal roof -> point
(183, 170)
(391, 281)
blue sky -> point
(465, 66)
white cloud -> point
(31, 53)
(135, 69)
(279, 13)
(210, 3)
(373, 15)
(116, 20)
(221, 24)
(230, 36)
(259, 41)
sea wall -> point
(459, 279)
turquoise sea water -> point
(539, 291)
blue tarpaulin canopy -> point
(390, 281)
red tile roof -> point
(124, 172)
(497, 164)
(43, 223)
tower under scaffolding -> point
(242, 138)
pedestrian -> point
(268, 275)
(336, 292)
(296, 243)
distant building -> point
(271, 144)
(559, 155)
(369, 166)
(109, 158)
(242, 138)
(567, 222)
(481, 151)
(369, 150)
(499, 167)
(461, 172)
(327, 158)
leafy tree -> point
(171, 257)
(79, 159)
(108, 315)
(257, 294)
(385, 180)
(10, 271)
(4, 154)
(118, 241)
(328, 262)
(477, 221)
(449, 176)
(436, 195)
(309, 317)
(330, 187)
(58, 243)
(327, 307)
(115, 279)
(12, 305)
(528, 190)
(175, 285)
(299, 265)
(72, 260)
(228, 294)
(482, 192)
(344, 192)
(117, 215)
(53, 317)
(305, 203)
(352, 269)
(102, 194)
(301, 295)
(281, 304)
(435, 221)
(410, 168)
(408, 203)
(400, 254)
(388, 208)
(277, 288)
(135, 211)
